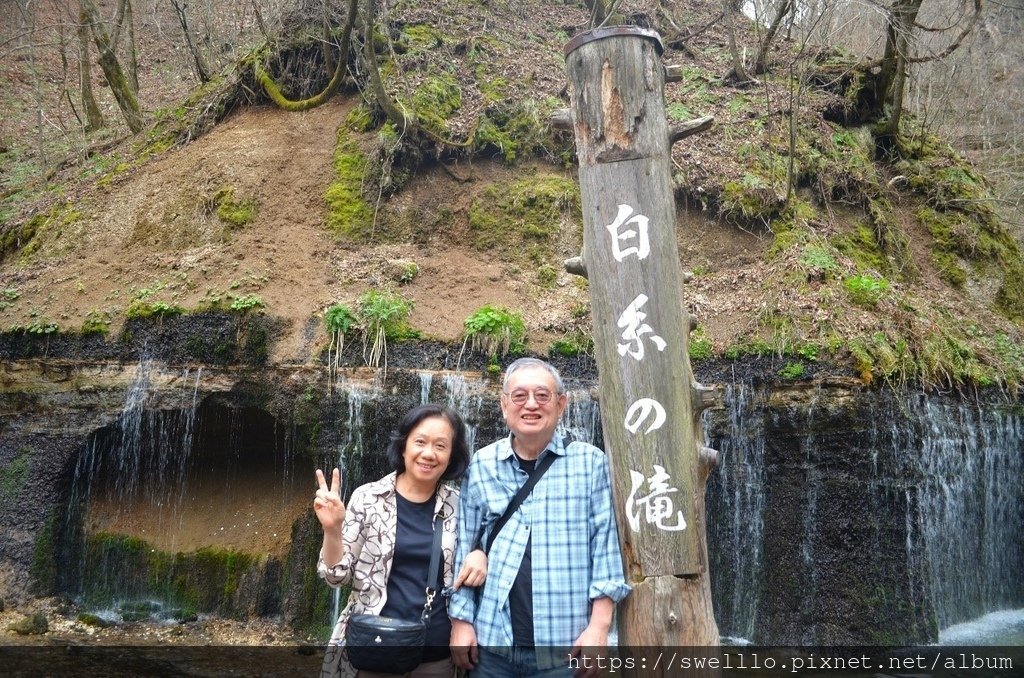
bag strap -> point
(519, 498)
(435, 562)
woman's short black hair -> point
(458, 460)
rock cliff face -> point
(838, 514)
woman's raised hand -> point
(327, 505)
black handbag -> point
(388, 645)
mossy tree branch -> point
(293, 105)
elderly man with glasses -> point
(554, 568)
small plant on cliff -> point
(247, 302)
(142, 308)
(572, 344)
(96, 322)
(384, 315)
(700, 347)
(495, 331)
(865, 290)
(792, 370)
(339, 320)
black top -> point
(520, 597)
(408, 579)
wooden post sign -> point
(649, 403)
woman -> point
(381, 543)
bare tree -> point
(117, 79)
(901, 28)
(93, 116)
(784, 9)
(738, 72)
(202, 69)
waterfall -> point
(915, 502)
(970, 506)
(465, 400)
(136, 464)
(351, 452)
(736, 501)
(426, 381)
(582, 418)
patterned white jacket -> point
(368, 536)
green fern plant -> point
(340, 320)
(384, 315)
(495, 331)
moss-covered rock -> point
(225, 581)
(32, 625)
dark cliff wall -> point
(821, 516)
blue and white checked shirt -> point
(575, 546)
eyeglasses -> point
(541, 396)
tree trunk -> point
(598, 11)
(202, 68)
(650, 422)
(404, 123)
(93, 116)
(762, 54)
(892, 79)
(112, 71)
(130, 52)
(739, 73)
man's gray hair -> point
(523, 363)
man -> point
(554, 571)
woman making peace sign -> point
(381, 543)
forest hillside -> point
(417, 188)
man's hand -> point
(594, 639)
(465, 653)
(591, 642)
(474, 570)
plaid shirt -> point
(574, 546)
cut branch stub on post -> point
(641, 329)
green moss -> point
(862, 247)
(234, 212)
(508, 218)
(360, 119)
(547, 275)
(205, 580)
(419, 38)
(435, 100)
(43, 569)
(891, 239)
(572, 344)
(348, 214)
(699, 346)
(31, 625)
(949, 268)
(26, 236)
(145, 308)
(493, 89)
(1010, 297)
(255, 344)
(518, 129)
(14, 475)
(748, 199)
